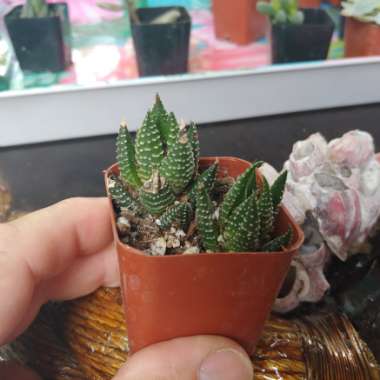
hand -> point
(66, 251)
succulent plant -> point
(35, 8)
(246, 216)
(281, 11)
(363, 10)
(117, 7)
(170, 16)
(159, 176)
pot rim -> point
(361, 21)
(292, 248)
(50, 6)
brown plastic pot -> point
(238, 21)
(361, 39)
(228, 294)
(310, 3)
(336, 3)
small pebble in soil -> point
(158, 247)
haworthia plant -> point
(281, 11)
(247, 214)
(159, 175)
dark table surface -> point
(42, 174)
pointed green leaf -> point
(125, 154)
(265, 208)
(278, 243)
(164, 121)
(173, 129)
(243, 187)
(120, 196)
(155, 195)
(208, 178)
(242, 231)
(178, 166)
(186, 215)
(251, 185)
(179, 214)
(207, 227)
(149, 148)
(192, 133)
(278, 188)
(156, 203)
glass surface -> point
(102, 48)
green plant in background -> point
(130, 6)
(123, 5)
(5, 64)
(35, 8)
(159, 176)
(281, 11)
(363, 10)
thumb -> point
(192, 358)
(12, 371)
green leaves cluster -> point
(281, 11)
(363, 10)
(246, 216)
(159, 175)
(161, 164)
(35, 8)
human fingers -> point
(190, 358)
(43, 246)
(82, 278)
(49, 240)
(13, 371)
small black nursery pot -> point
(161, 49)
(41, 43)
(309, 41)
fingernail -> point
(227, 364)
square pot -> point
(228, 294)
(161, 49)
(43, 43)
(361, 39)
(309, 41)
(238, 21)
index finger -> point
(44, 245)
(49, 239)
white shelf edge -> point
(64, 112)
